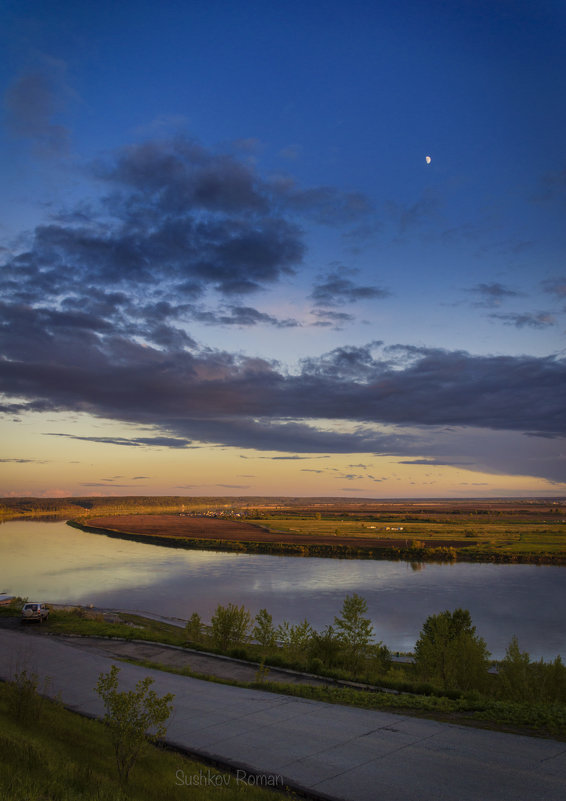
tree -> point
(133, 717)
(295, 639)
(354, 630)
(325, 646)
(514, 674)
(194, 628)
(523, 680)
(263, 631)
(230, 626)
(448, 652)
(381, 657)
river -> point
(53, 562)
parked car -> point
(35, 611)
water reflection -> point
(62, 564)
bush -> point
(521, 680)
(24, 702)
(17, 603)
(315, 665)
(295, 640)
(130, 716)
(325, 647)
(230, 626)
(238, 653)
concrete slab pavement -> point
(339, 752)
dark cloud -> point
(345, 363)
(95, 308)
(326, 318)
(492, 294)
(527, 319)
(242, 316)
(335, 289)
(137, 442)
(174, 220)
(32, 103)
(221, 396)
(218, 397)
(434, 462)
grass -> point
(471, 709)
(412, 697)
(490, 537)
(546, 720)
(61, 756)
(132, 627)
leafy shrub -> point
(24, 702)
(238, 653)
(230, 626)
(294, 639)
(130, 716)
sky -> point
(304, 249)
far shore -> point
(229, 534)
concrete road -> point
(337, 752)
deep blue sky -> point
(221, 213)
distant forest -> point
(258, 506)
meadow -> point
(497, 531)
(48, 753)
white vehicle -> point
(35, 611)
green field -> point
(522, 530)
(499, 537)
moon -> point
(428, 159)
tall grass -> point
(60, 756)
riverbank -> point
(311, 537)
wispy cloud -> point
(336, 289)
(33, 102)
(538, 320)
(136, 442)
(492, 294)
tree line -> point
(449, 653)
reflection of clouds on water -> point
(62, 564)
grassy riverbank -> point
(396, 689)
(50, 754)
(495, 530)
(500, 541)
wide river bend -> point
(54, 562)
